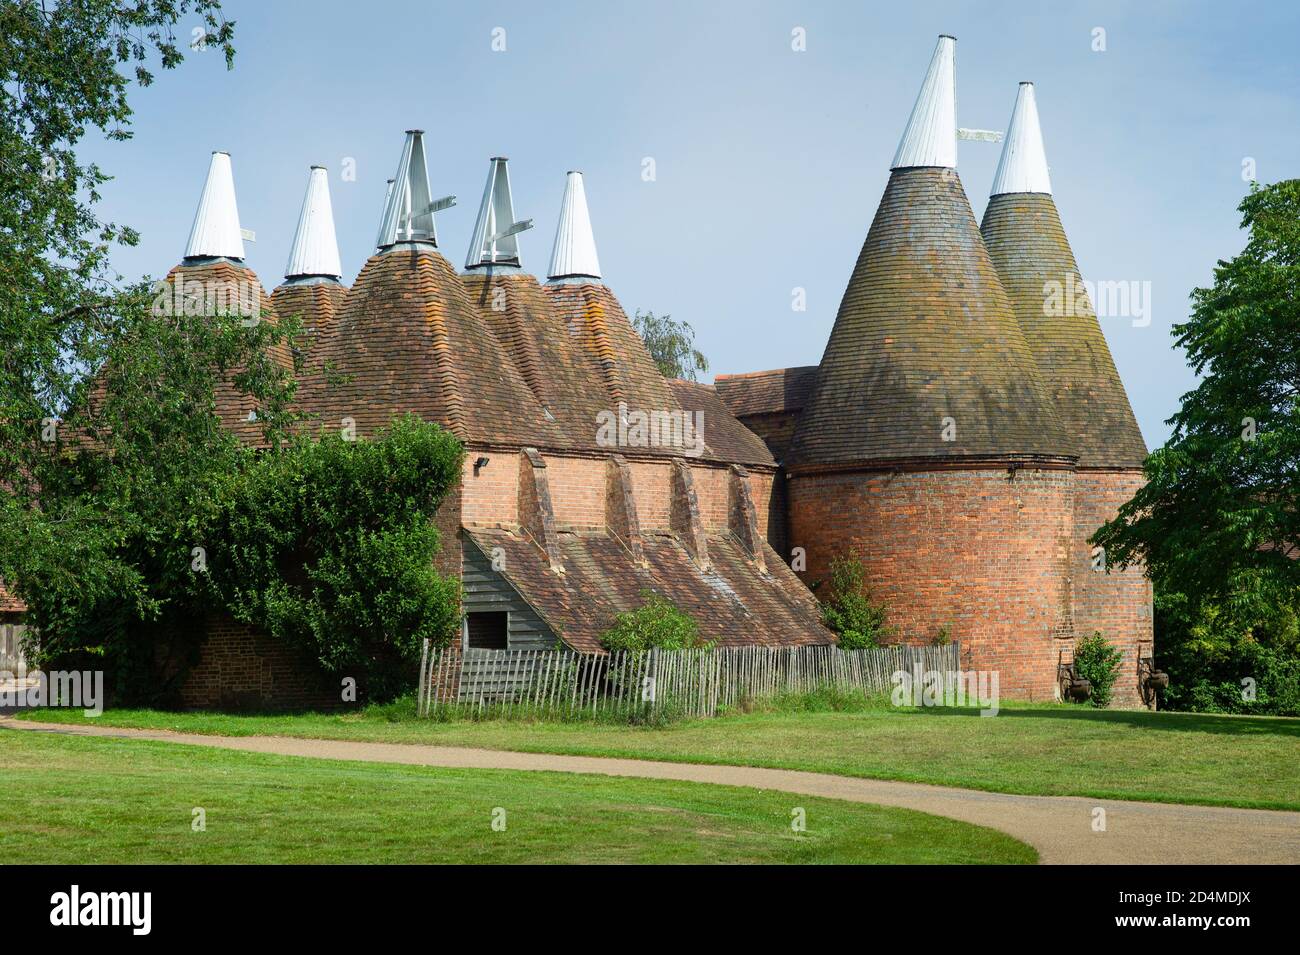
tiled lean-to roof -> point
(733, 602)
(9, 603)
(1028, 245)
(777, 391)
(724, 436)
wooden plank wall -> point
(488, 590)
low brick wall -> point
(240, 668)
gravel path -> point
(1061, 828)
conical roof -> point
(537, 340)
(1028, 245)
(408, 338)
(215, 232)
(926, 361)
(574, 252)
(315, 249)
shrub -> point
(1211, 649)
(1097, 662)
(851, 613)
(657, 623)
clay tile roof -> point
(925, 332)
(595, 318)
(547, 351)
(725, 438)
(9, 603)
(410, 339)
(317, 306)
(733, 603)
(767, 392)
(1028, 245)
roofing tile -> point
(1029, 247)
(925, 333)
(733, 603)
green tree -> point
(671, 344)
(850, 612)
(106, 424)
(65, 69)
(1219, 517)
(127, 512)
(328, 545)
(1217, 525)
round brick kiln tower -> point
(930, 447)
(1023, 233)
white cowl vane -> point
(315, 250)
(574, 254)
(216, 231)
(1023, 166)
(931, 135)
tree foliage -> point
(328, 546)
(97, 539)
(65, 70)
(850, 612)
(1217, 524)
(671, 344)
(127, 513)
(1219, 517)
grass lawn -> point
(1034, 749)
(73, 800)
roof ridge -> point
(448, 380)
(600, 344)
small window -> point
(487, 631)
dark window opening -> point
(487, 631)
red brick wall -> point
(1117, 603)
(577, 487)
(577, 490)
(240, 668)
(652, 484)
(987, 557)
(713, 489)
(491, 496)
(447, 520)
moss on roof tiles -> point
(925, 333)
(1029, 247)
(409, 339)
(767, 392)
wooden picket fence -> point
(11, 647)
(693, 683)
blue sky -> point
(769, 162)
